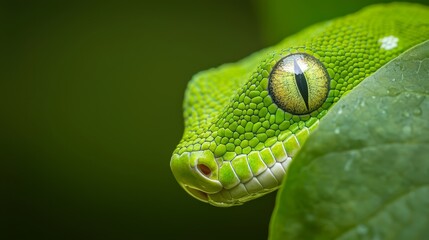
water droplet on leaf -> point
(406, 130)
(417, 111)
(391, 91)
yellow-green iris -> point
(299, 83)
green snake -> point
(246, 121)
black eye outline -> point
(301, 82)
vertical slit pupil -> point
(204, 169)
(301, 82)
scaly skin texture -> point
(238, 143)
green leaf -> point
(364, 174)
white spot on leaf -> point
(388, 43)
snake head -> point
(238, 143)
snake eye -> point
(299, 83)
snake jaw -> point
(230, 182)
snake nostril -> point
(204, 170)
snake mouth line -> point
(197, 194)
(266, 182)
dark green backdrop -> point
(91, 98)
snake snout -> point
(197, 173)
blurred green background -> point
(91, 96)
